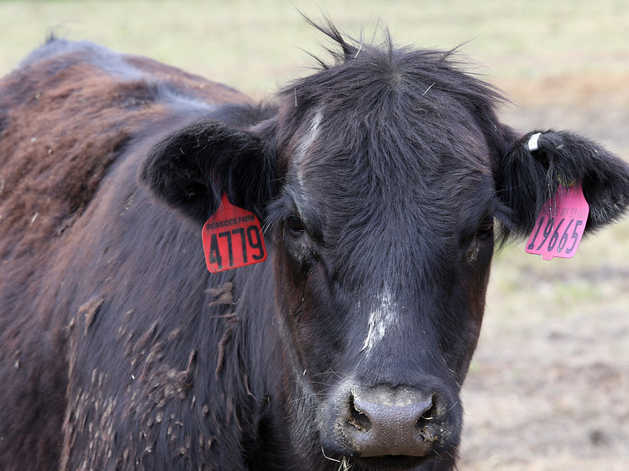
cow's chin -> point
(389, 463)
(397, 463)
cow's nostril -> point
(428, 413)
(357, 418)
(424, 421)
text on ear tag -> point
(232, 238)
(560, 224)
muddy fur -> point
(65, 120)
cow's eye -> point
(486, 228)
(294, 225)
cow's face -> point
(382, 251)
(379, 181)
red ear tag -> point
(232, 238)
(560, 224)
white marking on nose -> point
(380, 319)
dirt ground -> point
(549, 386)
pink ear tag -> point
(560, 224)
(232, 238)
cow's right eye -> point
(294, 225)
(486, 228)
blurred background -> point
(549, 386)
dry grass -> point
(252, 43)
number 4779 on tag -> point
(232, 238)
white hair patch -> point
(380, 319)
(306, 142)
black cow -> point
(377, 181)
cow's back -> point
(76, 120)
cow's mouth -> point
(389, 462)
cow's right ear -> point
(192, 167)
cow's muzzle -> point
(392, 421)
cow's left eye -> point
(295, 225)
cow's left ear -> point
(538, 162)
(192, 167)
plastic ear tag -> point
(232, 238)
(560, 224)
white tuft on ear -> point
(533, 142)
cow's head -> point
(381, 180)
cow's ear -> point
(192, 167)
(535, 165)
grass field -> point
(549, 386)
